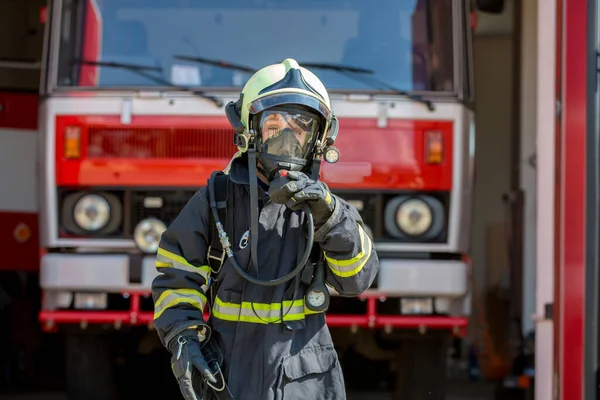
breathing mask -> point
(286, 138)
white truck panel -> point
(18, 178)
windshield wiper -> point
(244, 68)
(365, 79)
(141, 70)
(344, 69)
(216, 63)
(337, 67)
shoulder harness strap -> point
(216, 254)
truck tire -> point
(421, 368)
(89, 367)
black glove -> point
(294, 188)
(195, 363)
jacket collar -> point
(238, 173)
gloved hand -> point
(189, 364)
(294, 188)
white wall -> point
(545, 125)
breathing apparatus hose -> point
(254, 231)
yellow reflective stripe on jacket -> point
(260, 313)
(166, 259)
(170, 298)
(346, 268)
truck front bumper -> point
(110, 273)
(444, 281)
(63, 274)
(420, 278)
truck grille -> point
(163, 205)
(171, 203)
(110, 142)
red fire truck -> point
(131, 123)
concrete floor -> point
(459, 391)
(51, 382)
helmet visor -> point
(288, 133)
(282, 99)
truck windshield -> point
(406, 43)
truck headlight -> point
(147, 234)
(414, 217)
(91, 212)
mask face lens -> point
(289, 134)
